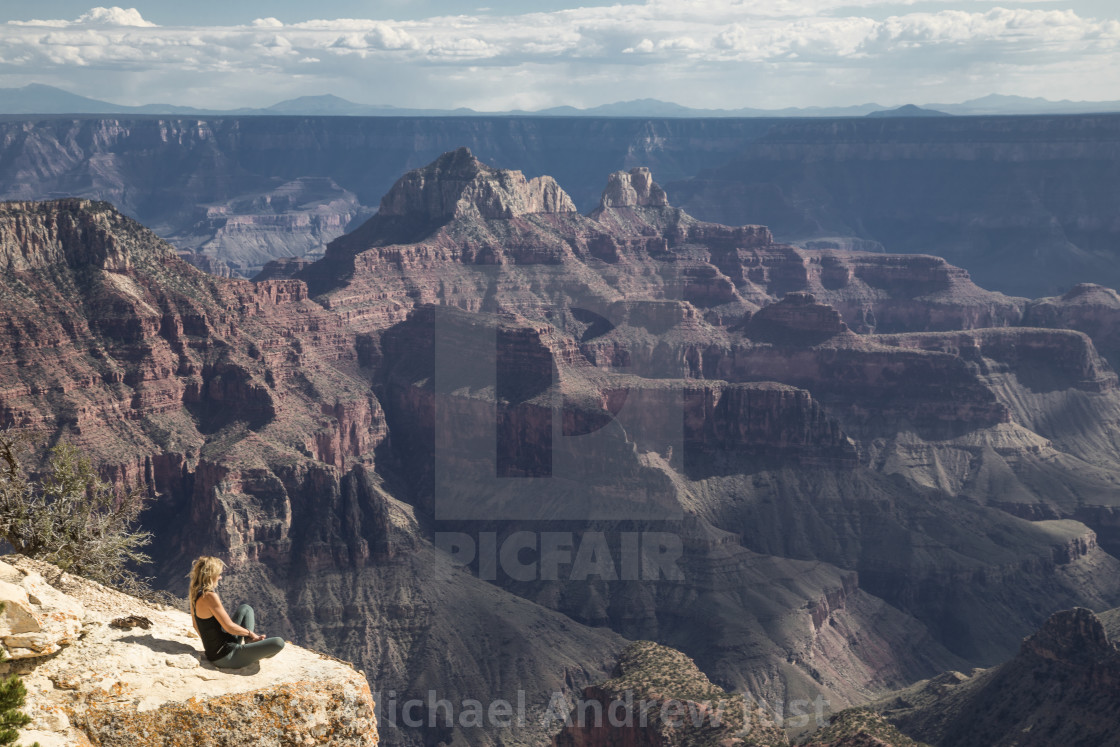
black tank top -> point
(214, 637)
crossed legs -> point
(244, 654)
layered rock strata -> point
(999, 194)
(480, 360)
(997, 204)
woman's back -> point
(214, 637)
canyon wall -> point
(1024, 203)
(1007, 198)
(861, 468)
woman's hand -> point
(254, 637)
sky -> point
(494, 55)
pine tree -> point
(71, 517)
(12, 695)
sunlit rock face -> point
(635, 188)
(74, 233)
(36, 620)
(457, 185)
(136, 675)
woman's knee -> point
(245, 617)
(265, 649)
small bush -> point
(72, 518)
(12, 695)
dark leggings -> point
(244, 654)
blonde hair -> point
(204, 577)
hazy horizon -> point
(438, 54)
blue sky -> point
(500, 54)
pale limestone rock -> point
(37, 620)
(633, 189)
(17, 617)
(140, 688)
(458, 185)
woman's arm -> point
(214, 603)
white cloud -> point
(114, 17)
(987, 33)
(467, 48)
(699, 52)
(349, 41)
(99, 16)
(645, 46)
(338, 24)
(386, 36)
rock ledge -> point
(152, 687)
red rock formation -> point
(636, 247)
(282, 268)
(144, 360)
(796, 320)
(1049, 359)
(774, 421)
(638, 356)
(207, 264)
(536, 375)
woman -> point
(230, 642)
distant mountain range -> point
(42, 99)
(909, 111)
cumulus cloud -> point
(113, 16)
(987, 32)
(386, 36)
(697, 51)
(645, 46)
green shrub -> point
(71, 517)
(12, 695)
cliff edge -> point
(98, 681)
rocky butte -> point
(863, 469)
